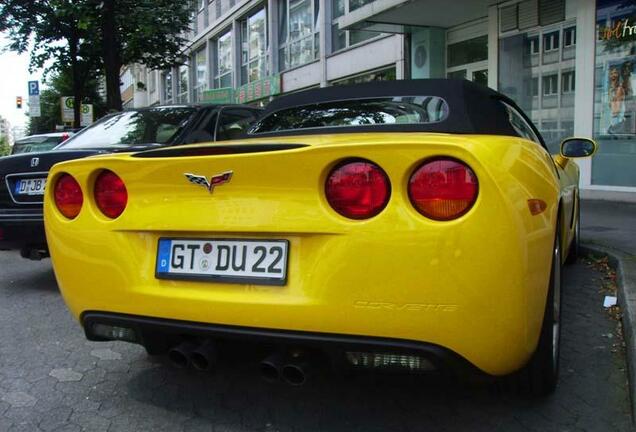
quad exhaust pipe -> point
(200, 356)
(292, 369)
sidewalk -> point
(610, 228)
(609, 224)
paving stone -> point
(106, 354)
(65, 375)
(19, 399)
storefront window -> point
(166, 84)
(387, 74)
(614, 100)
(254, 47)
(299, 35)
(182, 85)
(223, 72)
(542, 85)
(201, 79)
(467, 51)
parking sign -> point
(34, 88)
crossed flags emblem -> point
(215, 180)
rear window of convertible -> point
(356, 112)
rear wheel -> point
(540, 375)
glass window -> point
(356, 4)
(569, 37)
(615, 98)
(254, 47)
(550, 84)
(300, 43)
(167, 86)
(567, 82)
(234, 122)
(182, 85)
(133, 128)
(468, 51)
(520, 125)
(201, 80)
(357, 112)
(223, 73)
(37, 143)
(387, 74)
(551, 41)
(344, 38)
(544, 93)
(533, 45)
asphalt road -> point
(51, 379)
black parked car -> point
(23, 176)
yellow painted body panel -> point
(476, 285)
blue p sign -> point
(34, 88)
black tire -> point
(539, 377)
(575, 247)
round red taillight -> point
(443, 189)
(68, 196)
(111, 195)
(358, 189)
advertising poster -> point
(618, 111)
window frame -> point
(218, 76)
(262, 59)
(569, 31)
(554, 37)
(554, 91)
(200, 86)
(568, 87)
(284, 48)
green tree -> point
(56, 31)
(5, 149)
(60, 84)
(148, 32)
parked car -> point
(40, 143)
(23, 176)
(409, 225)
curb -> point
(625, 266)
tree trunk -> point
(111, 56)
(77, 84)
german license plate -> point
(33, 186)
(259, 262)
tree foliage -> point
(149, 32)
(58, 35)
(91, 35)
(5, 149)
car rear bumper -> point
(158, 335)
(27, 233)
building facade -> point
(570, 64)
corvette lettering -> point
(413, 307)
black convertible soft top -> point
(473, 108)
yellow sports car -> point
(407, 225)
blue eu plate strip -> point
(17, 187)
(163, 256)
